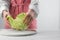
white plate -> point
(11, 32)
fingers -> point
(5, 13)
(28, 19)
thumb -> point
(8, 14)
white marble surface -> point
(51, 35)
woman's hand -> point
(4, 15)
(30, 16)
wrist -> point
(32, 13)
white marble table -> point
(51, 35)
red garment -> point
(19, 6)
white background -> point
(48, 19)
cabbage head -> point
(18, 22)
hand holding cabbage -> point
(18, 22)
(21, 22)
